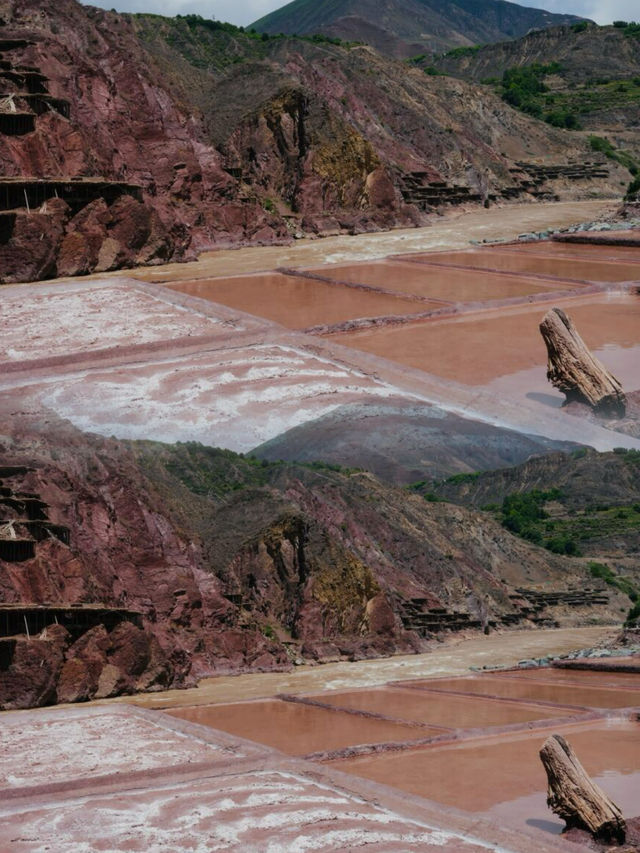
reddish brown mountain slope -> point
(189, 135)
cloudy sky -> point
(242, 12)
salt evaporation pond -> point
(469, 742)
(435, 282)
(516, 262)
(478, 347)
(297, 302)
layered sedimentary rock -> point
(573, 370)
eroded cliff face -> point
(186, 137)
(136, 566)
(118, 121)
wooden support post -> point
(574, 797)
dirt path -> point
(454, 658)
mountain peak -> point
(404, 28)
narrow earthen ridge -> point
(573, 370)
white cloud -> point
(600, 11)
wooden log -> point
(574, 797)
(573, 370)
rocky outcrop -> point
(573, 370)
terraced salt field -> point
(236, 360)
(299, 729)
(502, 341)
(578, 250)
(466, 742)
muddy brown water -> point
(511, 261)
(498, 342)
(297, 302)
(453, 657)
(453, 230)
(435, 282)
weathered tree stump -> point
(573, 370)
(574, 797)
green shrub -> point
(464, 51)
(580, 26)
(560, 118)
(603, 572)
(603, 146)
(634, 187)
(464, 478)
(634, 614)
(562, 545)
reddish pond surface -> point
(476, 348)
(299, 729)
(515, 688)
(435, 282)
(436, 709)
(490, 764)
(477, 775)
(297, 302)
(580, 250)
(582, 676)
(512, 261)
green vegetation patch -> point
(215, 45)
(525, 88)
(469, 50)
(214, 472)
(526, 515)
(603, 572)
(631, 29)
